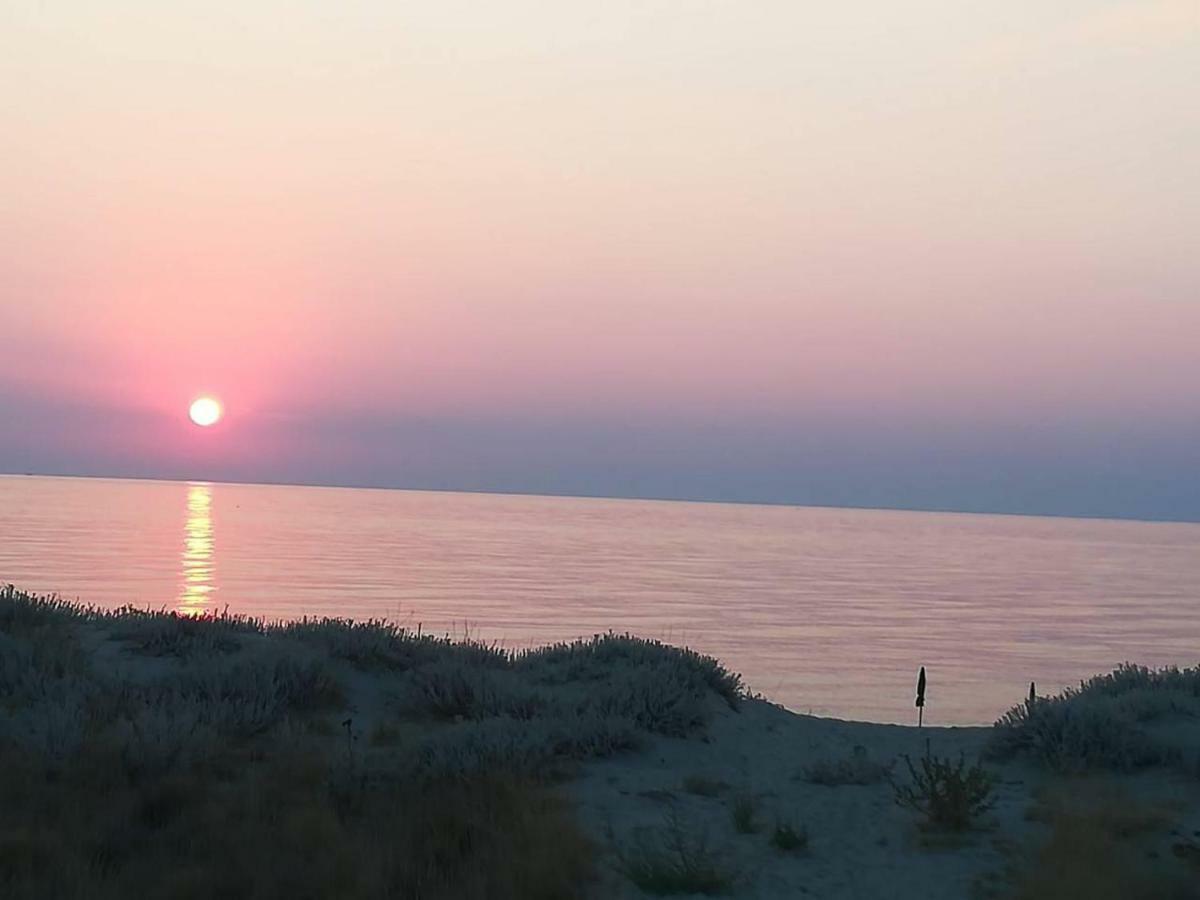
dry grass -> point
(259, 822)
(1101, 846)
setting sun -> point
(205, 411)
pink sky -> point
(785, 219)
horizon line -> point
(618, 497)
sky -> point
(939, 254)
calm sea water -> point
(829, 611)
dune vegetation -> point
(1117, 722)
(156, 755)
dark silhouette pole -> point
(921, 698)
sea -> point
(826, 611)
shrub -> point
(949, 795)
(1100, 723)
(161, 633)
(663, 701)
(21, 612)
(596, 658)
(703, 786)
(789, 838)
(450, 689)
(369, 645)
(676, 860)
(521, 748)
(378, 644)
(744, 813)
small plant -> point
(703, 786)
(789, 838)
(744, 813)
(950, 795)
(676, 860)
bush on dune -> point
(450, 689)
(377, 644)
(1100, 724)
(522, 747)
(596, 658)
(21, 613)
(206, 761)
(162, 633)
(195, 776)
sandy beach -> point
(861, 843)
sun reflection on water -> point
(195, 596)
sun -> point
(205, 411)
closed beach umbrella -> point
(921, 697)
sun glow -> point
(205, 411)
